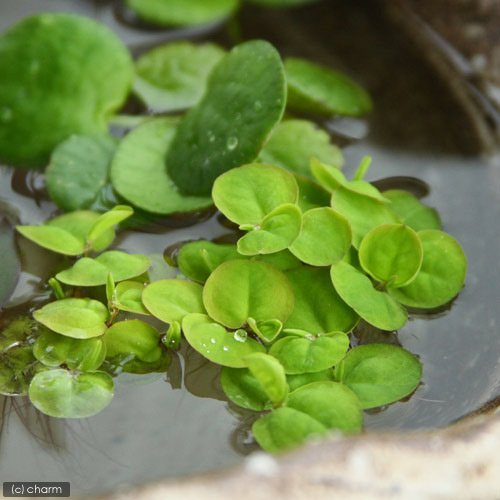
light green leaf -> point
(215, 343)
(267, 331)
(245, 195)
(276, 232)
(132, 341)
(171, 300)
(379, 374)
(57, 51)
(242, 289)
(63, 394)
(78, 170)
(230, 124)
(173, 76)
(243, 389)
(197, 259)
(107, 221)
(75, 318)
(324, 239)
(53, 238)
(286, 428)
(270, 374)
(375, 307)
(331, 403)
(412, 211)
(318, 89)
(318, 307)
(391, 253)
(441, 276)
(304, 355)
(182, 12)
(128, 297)
(294, 142)
(138, 170)
(55, 350)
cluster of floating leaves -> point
(316, 253)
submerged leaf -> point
(63, 394)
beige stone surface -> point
(461, 462)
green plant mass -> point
(311, 258)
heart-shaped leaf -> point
(172, 300)
(391, 253)
(138, 170)
(304, 355)
(78, 170)
(57, 51)
(245, 195)
(276, 232)
(333, 404)
(286, 428)
(324, 238)
(268, 330)
(75, 318)
(379, 374)
(242, 289)
(55, 350)
(318, 307)
(375, 307)
(441, 276)
(63, 394)
(232, 121)
(293, 144)
(318, 89)
(215, 343)
(128, 297)
(173, 76)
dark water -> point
(158, 427)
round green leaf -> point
(412, 211)
(375, 307)
(270, 374)
(318, 307)
(379, 374)
(304, 355)
(245, 195)
(94, 272)
(138, 170)
(132, 340)
(243, 389)
(215, 343)
(441, 276)
(318, 89)
(333, 404)
(78, 170)
(57, 51)
(171, 300)
(294, 142)
(286, 428)
(55, 350)
(197, 259)
(53, 238)
(182, 12)
(324, 239)
(391, 253)
(63, 394)
(128, 297)
(245, 99)
(242, 289)
(174, 76)
(276, 232)
(76, 318)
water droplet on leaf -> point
(232, 143)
